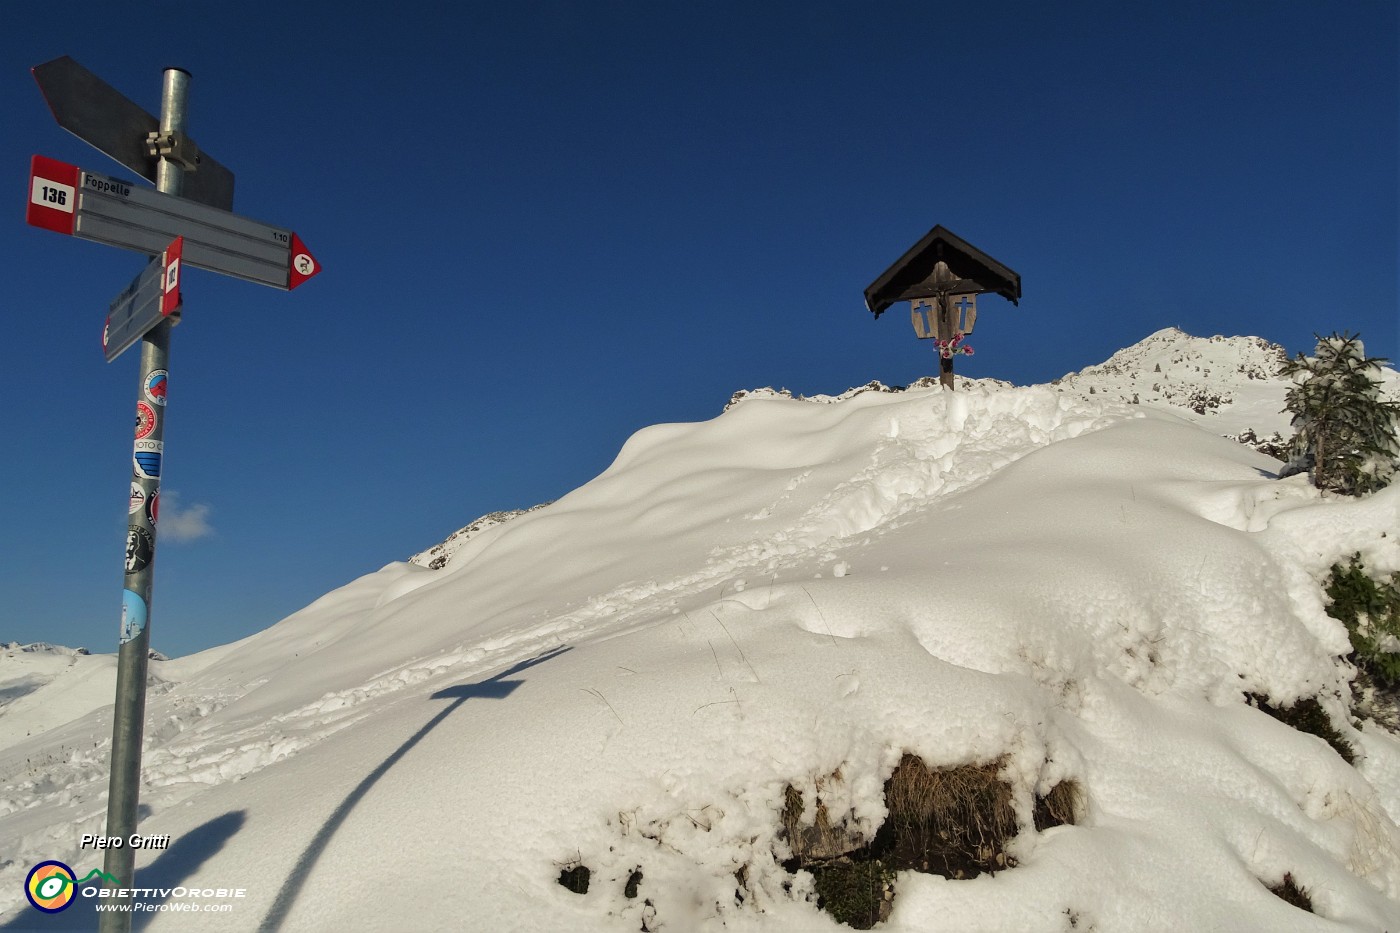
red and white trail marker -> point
(71, 200)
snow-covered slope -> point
(42, 686)
(792, 595)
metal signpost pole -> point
(147, 456)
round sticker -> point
(138, 498)
(133, 616)
(145, 420)
(304, 263)
(153, 507)
(155, 387)
(140, 548)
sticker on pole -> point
(133, 616)
(145, 420)
(140, 549)
(155, 387)
(145, 458)
(53, 194)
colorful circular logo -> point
(155, 386)
(50, 886)
(145, 420)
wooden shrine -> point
(941, 277)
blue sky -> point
(544, 226)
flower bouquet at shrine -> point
(953, 346)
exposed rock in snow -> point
(437, 556)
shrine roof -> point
(911, 274)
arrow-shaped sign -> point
(71, 200)
(101, 116)
(151, 297)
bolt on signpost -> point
(195, 229)
(941, 277)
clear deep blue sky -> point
(544, 226)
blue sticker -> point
(146, 458)
(133, 616)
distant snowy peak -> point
(1175, 368)
(9, 649)
(13, 649)
(1173, 350)
(1230, 385)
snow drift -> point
(1068, 584)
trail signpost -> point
(186, 221)
(941, 277)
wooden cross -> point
(944, 317)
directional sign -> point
(150, 298)
(99, 115)
(71, 200)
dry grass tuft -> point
(1289, 890)
(954, 822)
(822, 840)
(1060, 807)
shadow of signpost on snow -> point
(495, 687)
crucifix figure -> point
(945, 317)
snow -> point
(796, 592)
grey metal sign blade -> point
(116, 213)
(101, 116)
(210, 183)
(214, 253)
(135, 311)
(152, 296)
